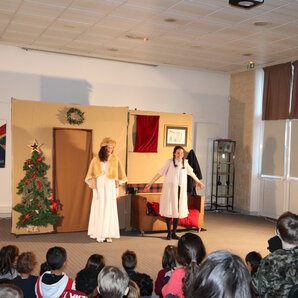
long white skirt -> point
(103, 221)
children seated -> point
(168, 264)
(8, 256)
(25, 265)
(53, 283)
(96, 262)
(112, 282)
(253, 260)
(278, 272)
(190, 253)
(86, 281)
(222, 274)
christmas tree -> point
(37, 207)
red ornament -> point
(27, 216)
(27, 162)
(39, 159)
(54, 206)
(39, 184)
(32, 175)
(28, 181)
(38, 204)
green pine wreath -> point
(75, 116)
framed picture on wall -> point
(176, 135)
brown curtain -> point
(294, 109)
(72, 155)
(276, 95)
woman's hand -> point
(94, 197)
(147, 187)
(200, 185)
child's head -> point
(26, 262)
(112, 282)
(56, 258)
(134, 291)
(10, 291)
(253, 260)
(96, 262)
(129, 260)
(145, 284)
(169, 257)
(287, 228)
(190, 249)
(222, 274)
(86, 280)
(8, 255)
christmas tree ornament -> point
(34, 147)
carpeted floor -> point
(235, 232)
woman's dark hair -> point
(222, 274)
(145, 284)
(102, 153)
(169, 257)
(129, 260)
(26, 262)
(287, 226)
(96, 262)
(174, 151)
(254, 258)
(8, 255)
(191, 252)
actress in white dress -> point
(173, 200)
(105, 172)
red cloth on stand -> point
(147, 133)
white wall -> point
(42, 76)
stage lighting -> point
(246, 3)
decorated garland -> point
(75, 116)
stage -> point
(237, 233)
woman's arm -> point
(93, 183)
(200, 185)
(156, 177)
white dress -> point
(103, 220)
(174, 176)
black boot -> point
(175, 224)
(168, 221)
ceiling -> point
(196, 34)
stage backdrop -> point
(141, 167)
(37, 120)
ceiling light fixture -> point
(246, 3)
(136, 37)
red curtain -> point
(147, 133)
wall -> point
(48, 77)
(142, 167)
(241, 121)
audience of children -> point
(185, 273)
(53, 283)
(278, 272)
(253, 260)
(25, 266)
(222, 274)
(190, 253)
(168, 264)
(8, 256)
(112, 282)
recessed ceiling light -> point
(262, 23)
(113, 50)
(246, 3)
(247, 55)
(170, 20)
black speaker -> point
(246, 3)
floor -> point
(237, 233)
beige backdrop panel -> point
(32, 119)
(141, 167)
